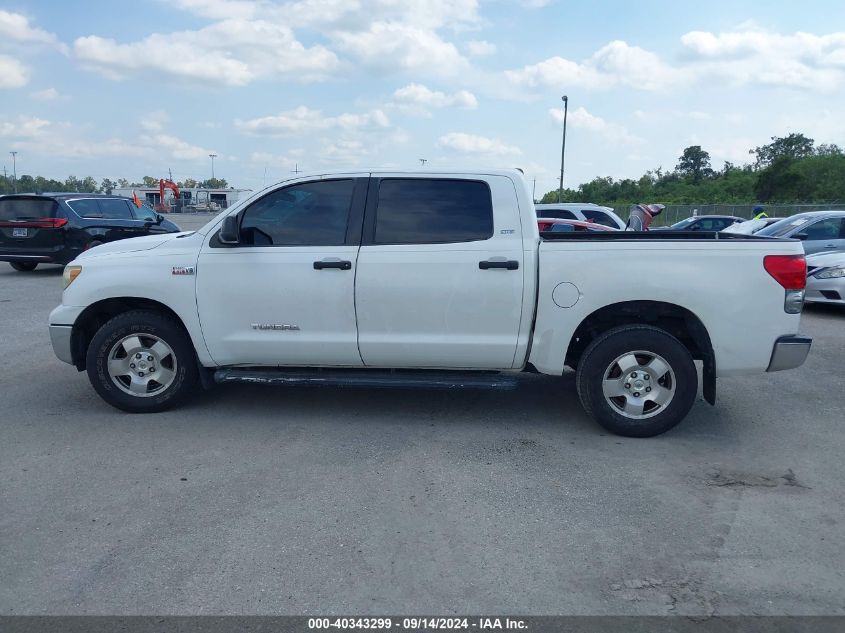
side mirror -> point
(159, 218)
(230, 232)
(801, 236)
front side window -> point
(829, 229)
(145, 213)
(308, 214)
(433, 211)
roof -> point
(61, 194)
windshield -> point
(683, 223)
(784, 226)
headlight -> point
(831, 273)
(71, 273)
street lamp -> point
(563, 147)
(15, 170)
(212, 157)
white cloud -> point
(23, 127)
(480, 48)
(358, 15)
(155, 121)
(391, 46)
(13, 74)
(616, 63)
(581, 119)
(474, 144)
(304, 120)
(419, 100)
(233, 52)
(48, 94)
(800, 60)
(14, 26)
(177, 148)
(218, 9)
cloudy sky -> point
(126, 89)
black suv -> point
(53, 228)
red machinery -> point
(162, 186)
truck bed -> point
(663, 236)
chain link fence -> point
(677, 212)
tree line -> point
(32, 184)
(790, 169)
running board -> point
(402, 379)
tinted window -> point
(599, 217)
(423, 211)
(144, 212)
(561, 228)
(26, 208)
(561, 214)
(115, 209)
(683, 224)
(86, 208)
(828, 229)
(310, 214)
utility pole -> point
(563, 147)
(423, 161)
(15, 169)
(295, 169)
(212, 157)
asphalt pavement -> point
(267, 500)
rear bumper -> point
(60, 338)
(789, 352)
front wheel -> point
(23, 267)
(142, 362)
(637, 381)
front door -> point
(440, 274)
(285, 294)
(824, 236)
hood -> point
(826, 260)
(131, 245)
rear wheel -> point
(637, 381)
(142, 362)
(23, 267)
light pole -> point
(212, 157)
(15, 170)
(563, 148)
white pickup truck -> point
(433, 278)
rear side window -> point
(27, 208)
(599, 217)
(433, 211)
(115, 209)
(561, 214)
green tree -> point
(149, 181)
(108, 186)
(214, 183)
(796, 145)
(694, 164)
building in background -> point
(191, 198)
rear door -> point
(439, 281)
(107, 219)
(31, 225)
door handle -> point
(342, 264)
(510, 264)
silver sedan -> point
(826, 278)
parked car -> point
(428, 279)
(819, 231)
(750, 227)
(584, 211)
(701, 223)
(826, 278)
(556, 225)
(55, 228)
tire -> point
(23, 267)
(131, 351)
(617, 375)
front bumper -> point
(789, 352)
(60, 338)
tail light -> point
(790, 271)
(40, 223)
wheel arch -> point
(97, 314)
(678, 321)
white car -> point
(584, 211)
(826, 278)
(441, 279)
